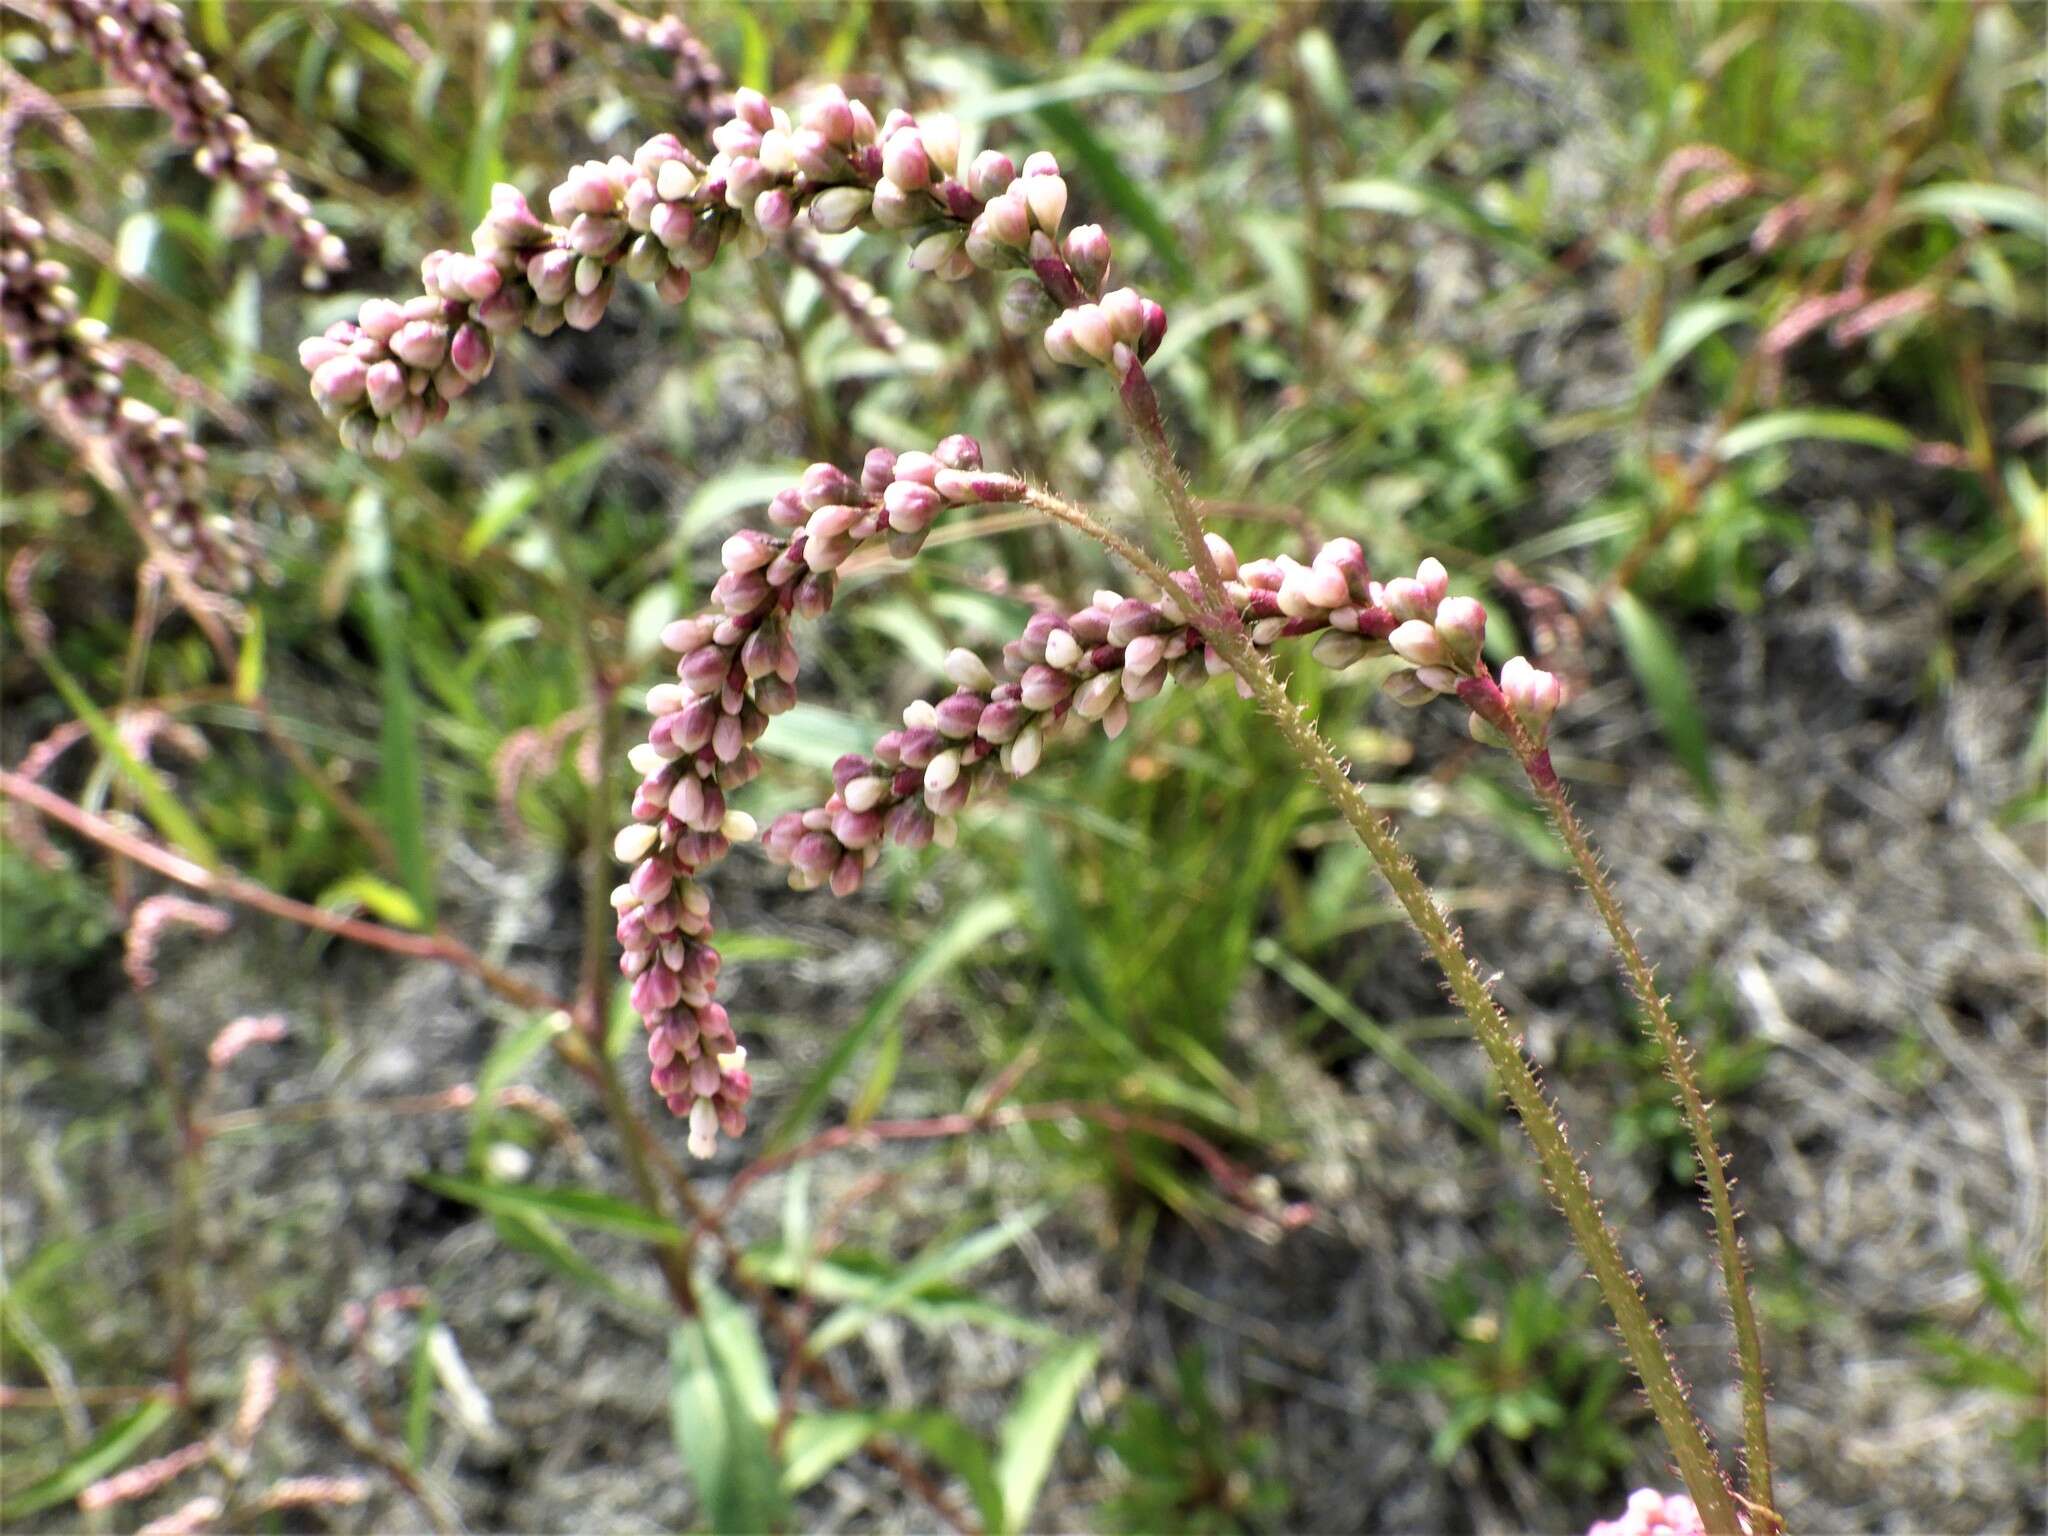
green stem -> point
(1701, 1470)
(1678, 1067)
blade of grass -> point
(113, 1447)
(1667, 684)
(402, 777)
(1035, 1425)
(1376, 1038)
(966, 933)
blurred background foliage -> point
(1556, 348)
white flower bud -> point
(634, 842)
(966, 670)
(941, 773)
(1062, 650)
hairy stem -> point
(1678, 1067)
(1570, 1187)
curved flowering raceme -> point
(143, 44)
(76, 375)
(665, 214)
(737, 670)
(1068, 671)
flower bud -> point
(966, 670)
(1461, 625)
(1095, 697)
(1154, 332)
(1417, 642)
(1060, 344)
(933, 252)
(1087, 251)
(1025, 750)
(1534, 695)
(959, 715)
(1047, 197)
(990, 175)
(634, 843)
(1091, 332)
(339, 380)
(911, 506)
(838, 209)
(1407, 598)
(1062, 650)
(385, 385)
(1337, 650)
(904, 161)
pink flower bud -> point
(1534, 695)
(904, 161)
(1045, 687)
(385, 385)
(959, 715)
(471, 351)
(340, 380)
(1461, 625)
(1087, 251)
(1407, 598)
(990, 175)
(911, 506)
(1154, 332)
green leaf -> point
(972, 928)
(934, 1265)
(1686, 330)
(158, 803)
(1775, 427)
(1978, 202)
(504, 43)
(1035, 1425)
(1418, 198)
(419, 1401)
(531, 1233)
(720, 1408)
(500, 1067)
(735, 490)
(818, 1442)
(813, 736)
(249, 664)
(511, 497)
(1667, 684)
(934, 1310)
(578, 1207)
(386, 901)
(401, 782)
(109, 1450)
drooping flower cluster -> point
(76, 375)
(737, 670)
(665, 214)
(1441, 639)
(143, 44)
(1065, 673)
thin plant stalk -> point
(1677, 1055)
(1700, 1468)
